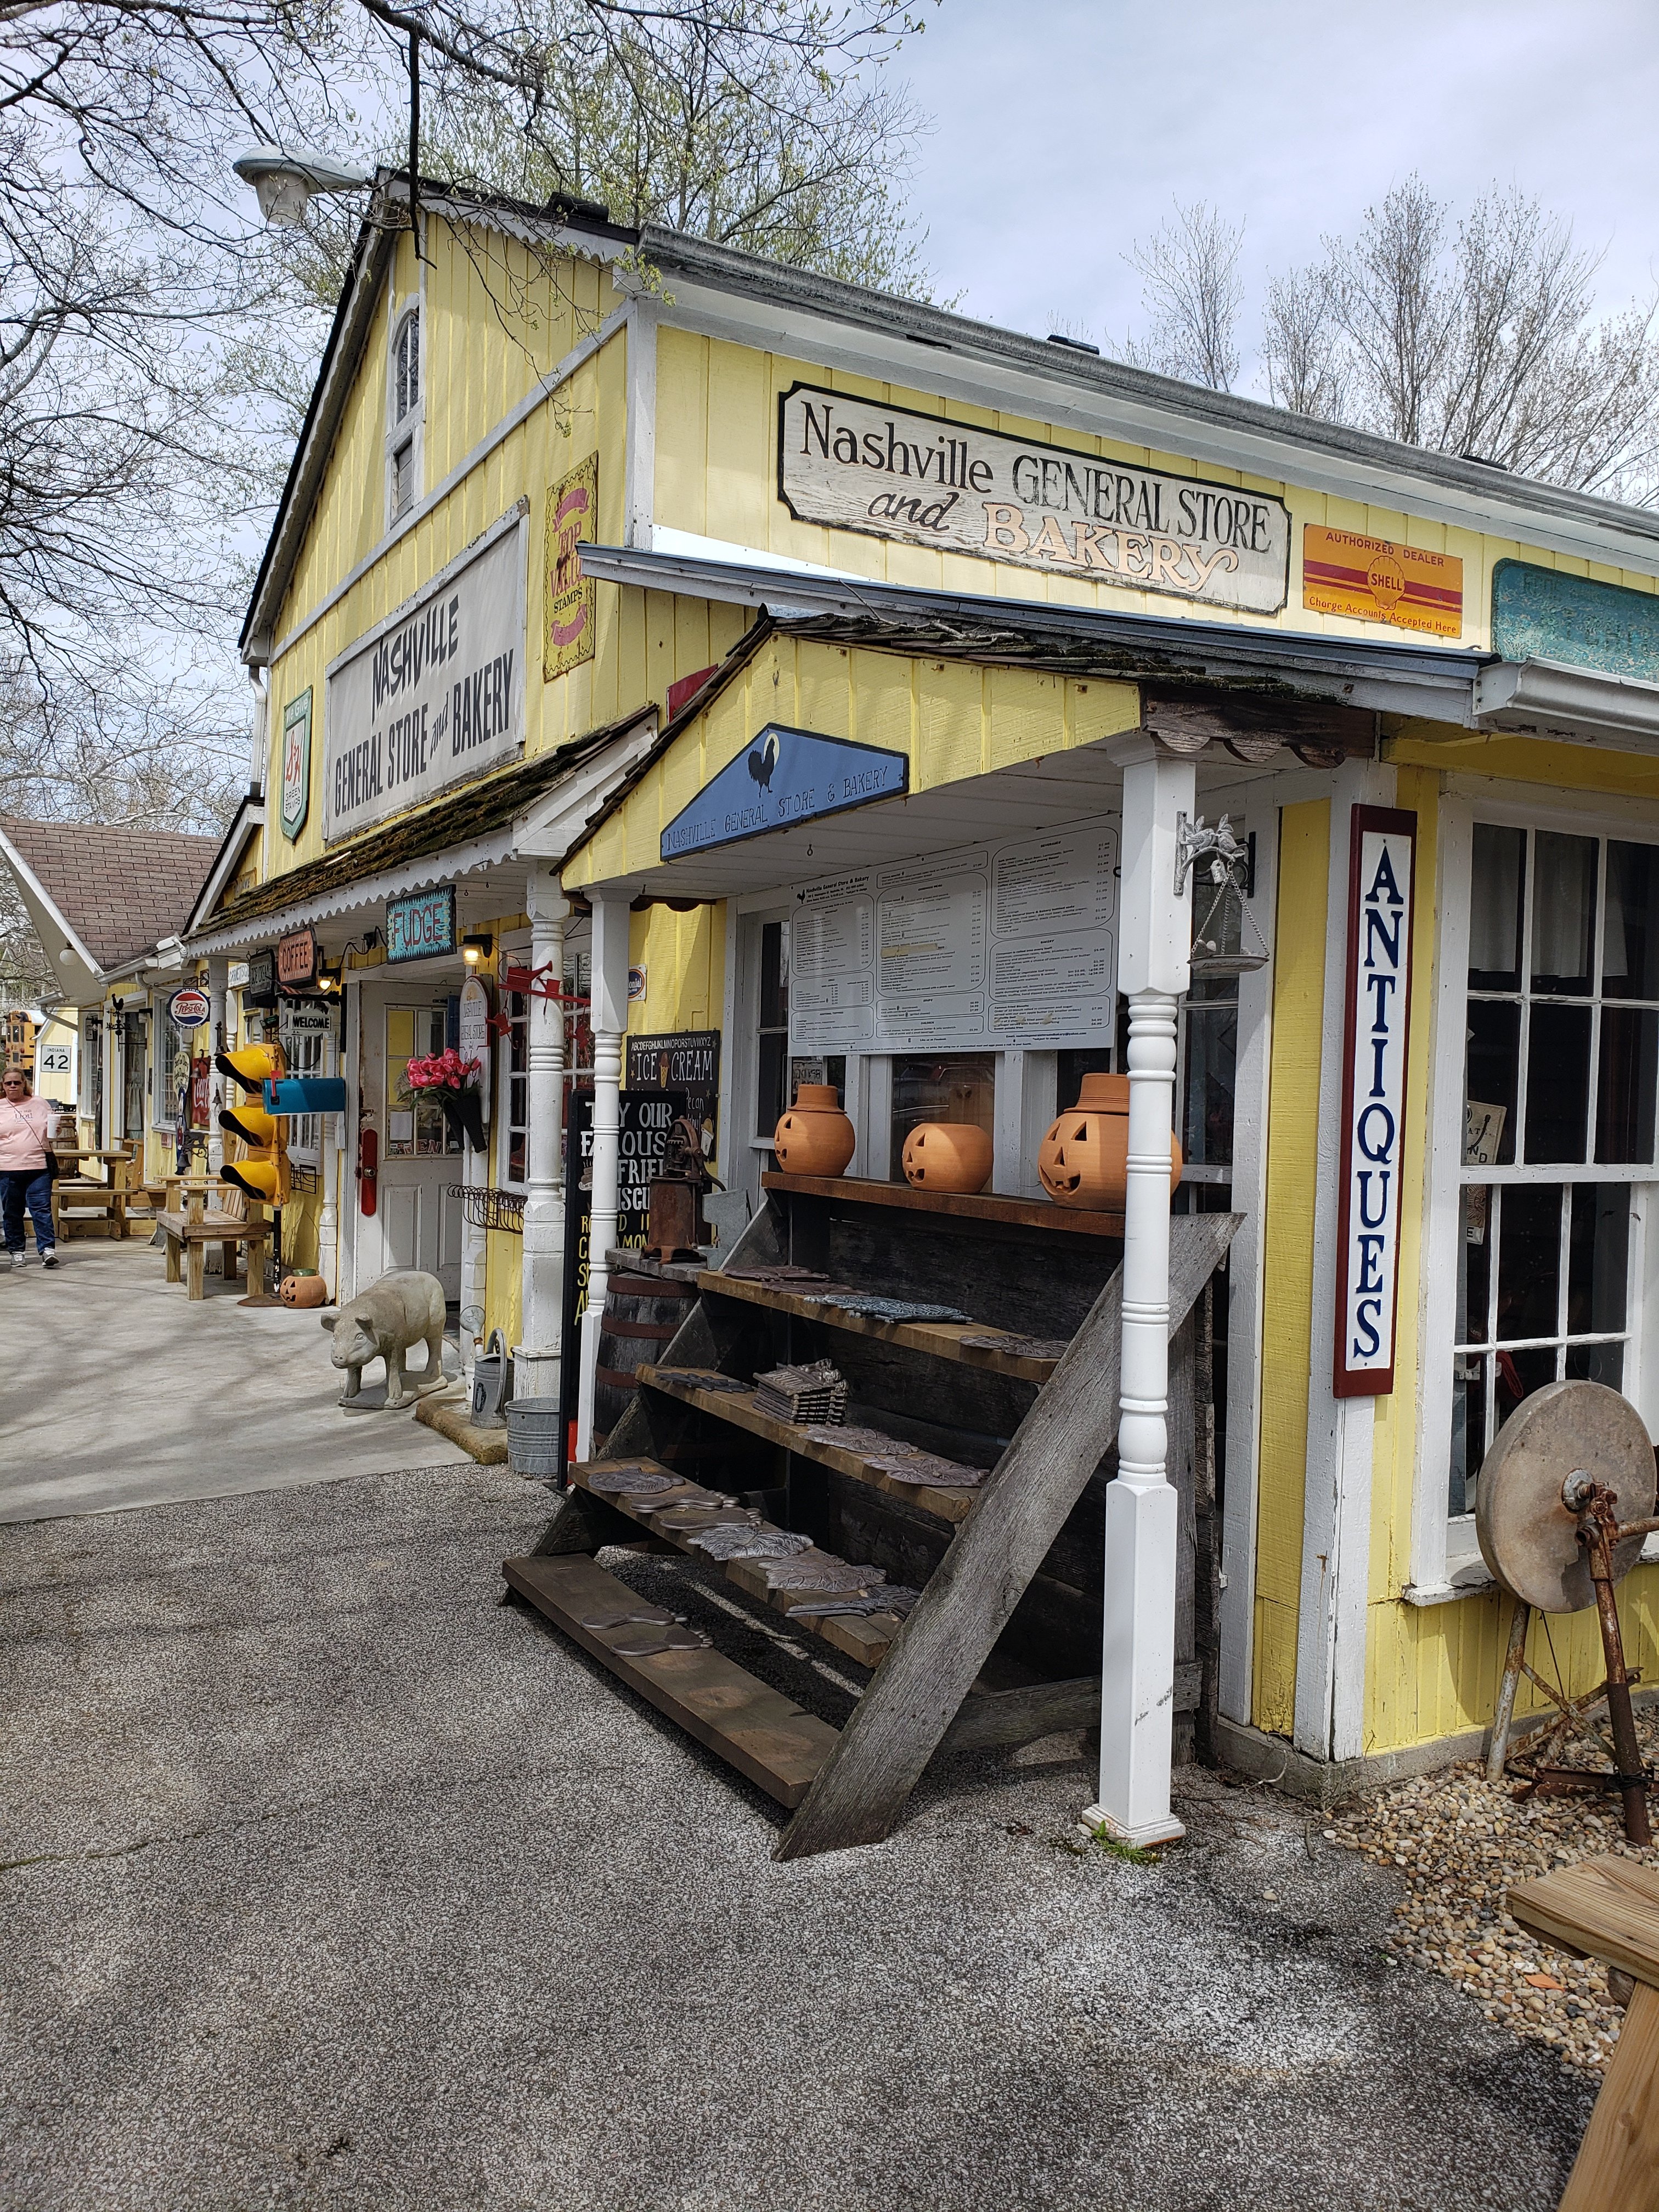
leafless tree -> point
(1192, 293)
(1475, 336)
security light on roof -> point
(285, 182)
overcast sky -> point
(1063, 129)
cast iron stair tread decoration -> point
(941, 1339)
(861, 1637)
(737, 1406)
(926, 1694)
(754, 1727)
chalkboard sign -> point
(646, 1118)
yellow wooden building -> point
(666, 624)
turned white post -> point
(1137, 1681)
(610, 1016)
(536, 1360)
(328, 1173)
(218, 980)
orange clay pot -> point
(814, 1138)
(1083, 1159)
(303, 1290)
(947, 1156)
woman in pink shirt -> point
(26, 1127)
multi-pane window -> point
(417, 1126)
(1562, 1042)
(406, 368)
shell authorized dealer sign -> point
(435, 694)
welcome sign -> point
(434, 694)
(1381, 870)
(889, 472)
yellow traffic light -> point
(265, 1177)
(253, 1065)
(255, 1128)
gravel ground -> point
(1460, 1843)
(329, 1882)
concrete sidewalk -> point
(327, 1882)
(117, 1391)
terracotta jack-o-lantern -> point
(814, 1138)
(947, 1156)
(1084, 1158)
(303, 1290)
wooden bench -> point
(80, 1207)
(1608, 1909)
(189, 1233)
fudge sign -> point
(434, 694)
(1383, 851)
(889, 472)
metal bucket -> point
(532, 1437)
(492, 1384)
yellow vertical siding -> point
(1287, 1253)
(683, 955)
(503, 1282)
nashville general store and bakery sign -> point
(892, 473)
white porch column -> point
(1142, 1520)
(329, 1127)
(609, 1018)
(537, 1356)
(218, 980)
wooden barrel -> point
(643, 1314)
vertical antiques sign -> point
(1382, 879)
(434, 694)
(889, 472)
(573, 507)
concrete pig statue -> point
(404, 1307)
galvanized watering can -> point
(492, 1384)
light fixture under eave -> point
(476, 947)
(285, 182)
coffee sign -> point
(888, 472)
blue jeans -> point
(30, 1188)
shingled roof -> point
(119, 891)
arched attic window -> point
(406, 397)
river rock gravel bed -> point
(1460, 1843)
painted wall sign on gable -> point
(890, 472)
(1382, 870)
(1543, 614)
(573, 507)
(786, 776)
(296, 764)
(1376, 580)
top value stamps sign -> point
(889, 472)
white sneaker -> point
(49, 1257)
(16, 1262)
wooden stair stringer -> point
(916, 1693)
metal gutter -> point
(1435, 681)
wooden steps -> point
(863, 1636)
(758, 1730)
(942, 1340)
(738, 1407)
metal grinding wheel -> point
(1527, 1537)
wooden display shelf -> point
(861, 1636)
(738, 1407)
(940, 1339)
(758, 1730)
(1006, 1213)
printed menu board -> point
(990, 946)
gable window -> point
(404, 415)
(1561, 1040)
(406, 368)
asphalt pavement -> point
(329, 1882)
